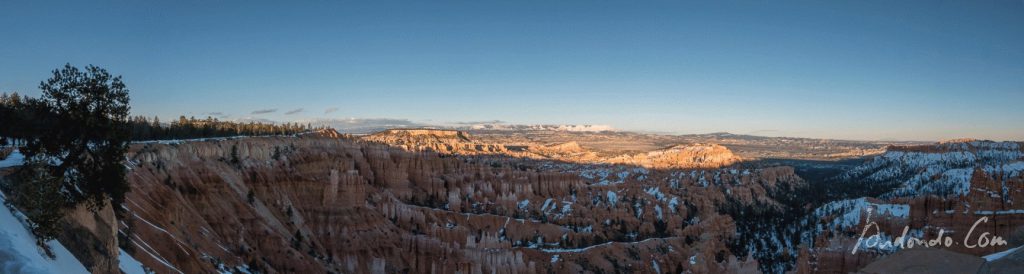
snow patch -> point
(1000, 255)
(850, 211)
(654, 191)
(129, 265)
(14, 159)
(19, 253)
(612, 198)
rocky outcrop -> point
(437, 140)
(969, 191)
(91, 236)
(330, 133)
(314, 204)
(5, 151)
(681, 156)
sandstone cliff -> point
(92, 238)
(315, 204)
(955, 188)
(681, 156)
(458, 142)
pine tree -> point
(76, 136)
(37, 194)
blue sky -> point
(856, 70)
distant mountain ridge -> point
(573, 128)
(942, 168)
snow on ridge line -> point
(956, 154)
(944, 168)
(181, 141)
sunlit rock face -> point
(446, 141)
(458, 142)
(317, 204)
(681, 156)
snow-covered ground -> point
(1000, 255)
(947, 170)
(19, 253)
(15, 159)
(129, 264)
(18, 250)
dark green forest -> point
(23, 117)
(143, 128)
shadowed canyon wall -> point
(315, 204)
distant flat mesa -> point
(613, 143)
(681, 156)
(458, 142)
